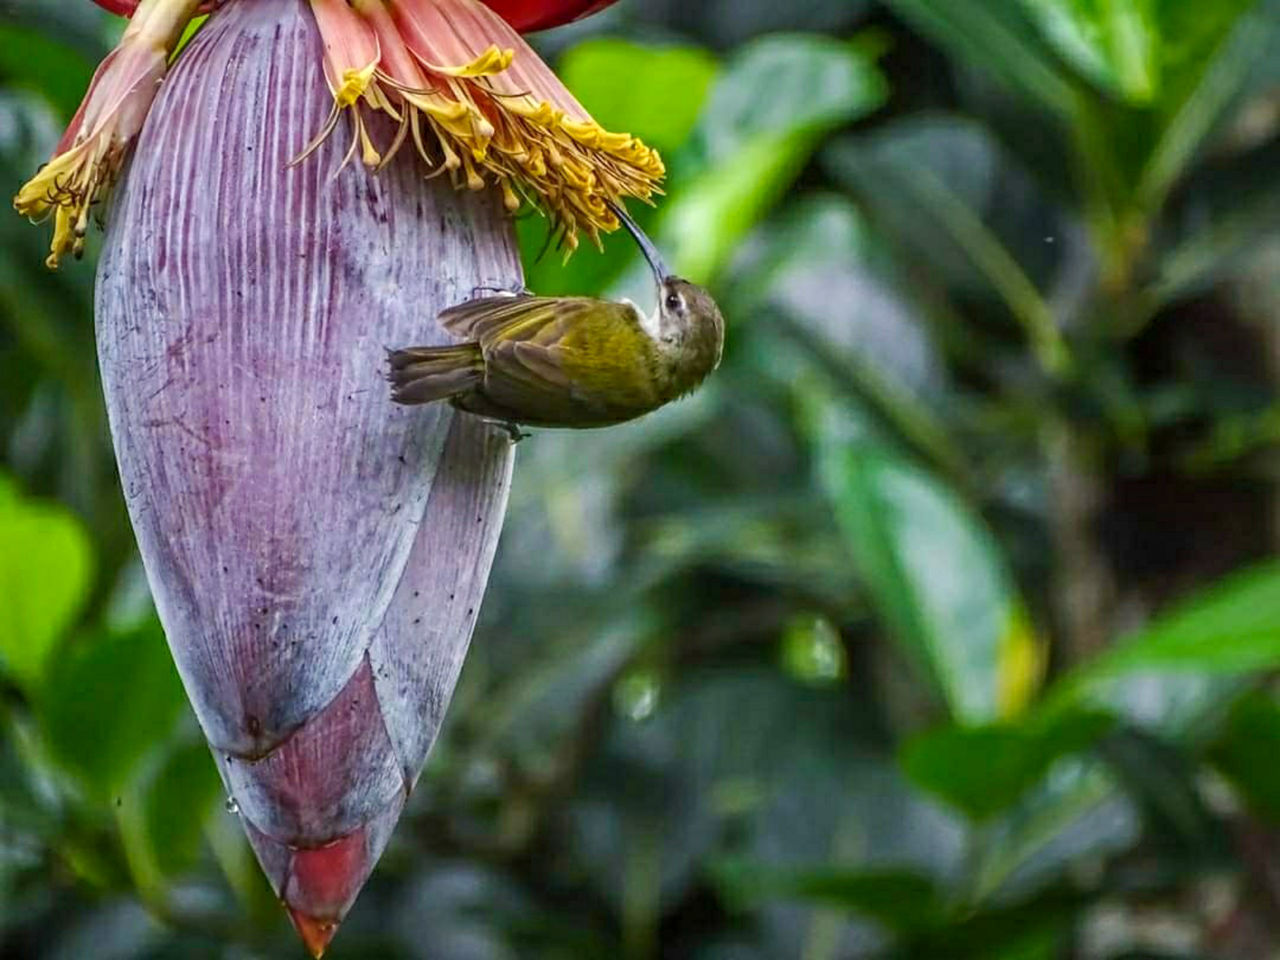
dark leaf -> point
(1246, 751)
(179, 800)
(984, 770)
(901, 901)
(110, 702)
(935, 575)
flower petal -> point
(474, 99)
(88, 160)
(536, 134)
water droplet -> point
(636, 695)
(812, 650)
(1050, 239)
(233, 808)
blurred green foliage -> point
(942, 623)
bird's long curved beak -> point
(646, 245)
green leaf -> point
(86, 29)
(1230, 627)
(1078, 813)
(820, 250)
(935, 575)
(179, 800)
(787, 84)
(913, 908)
(1175, 676)
(189, 32)
(1030, 929)
(769, 111)
(655, 93)
(45, 576)
(1193, 34)
(996, 36)
(33, 60)
(928, 178)
(1246, 751)
(1161, 777)
(706, 220)
(984, 770)
(776, 763)
(1115, 44)
(109, 703)
(779, 541)
(1207, 80)
(1241, 203)
(812, 651)
(1177, 705)
(900, 900)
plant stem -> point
(1084, 584)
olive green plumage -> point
(567, 361)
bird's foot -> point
(512, 428)
(518, 291)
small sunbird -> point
(568, 361)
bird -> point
(570, 362)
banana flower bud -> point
(317, 554)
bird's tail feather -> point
(427, 374)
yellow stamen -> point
(354, 85)
(509, 198)
(352, 55)
(369, 155)
(490, 63)
(509, 116)
(94, 149)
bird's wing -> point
(503, 317)
(536, 346)
(470, 319)
(540, 352)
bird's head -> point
(687, 313)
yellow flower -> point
(455, 78)
(479, 104)
(88, 159)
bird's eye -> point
(674, 301)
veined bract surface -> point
(317, 555)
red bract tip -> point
(318, 885)
(524, 15)
(323, 882)
(315, 934)
(322, 885)
(528, 15)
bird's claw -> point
(511, 428)
(514, 432)
(519, 291)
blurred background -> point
(943, 623)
